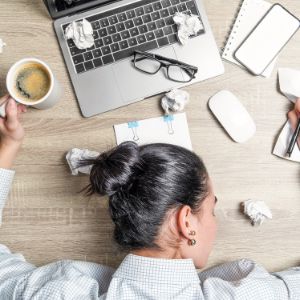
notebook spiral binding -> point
(234, 26)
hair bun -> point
(114, 170)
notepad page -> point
(168, 129)
(283, 142)
(251, 12)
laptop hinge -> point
(55, 12)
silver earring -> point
(192, 242)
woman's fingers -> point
(293, 117)
(12, 113)
(297, 107)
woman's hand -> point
(11, 132)
(294, 116)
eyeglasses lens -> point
(178, 73)
(146, 64)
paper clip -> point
(169, 120)
(133, 126)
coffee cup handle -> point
(2, 110)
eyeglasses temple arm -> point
(157, 56)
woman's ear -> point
(185, 221)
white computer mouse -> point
(233, 116)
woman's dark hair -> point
(143, 183)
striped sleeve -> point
(291, 278)
(244, 279)
(6, 178)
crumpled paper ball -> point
(257, 211)
(188, 25)
(81, 32)
(175, 100)
(75, 155)
(2, 44)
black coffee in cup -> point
(32, 82)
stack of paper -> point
(251, 12)
(289, 81)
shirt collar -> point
(157, 270)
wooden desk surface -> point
(46, 218)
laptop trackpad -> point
(135, 84)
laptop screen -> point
(61, 8)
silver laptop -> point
(104, 77)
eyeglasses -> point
(151, 63)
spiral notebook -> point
(170, 129)
(251, 12)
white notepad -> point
(251, 12)
(283, 143)
(289, 82)
(170, 129)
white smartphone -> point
(267, 39)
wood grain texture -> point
(47, 219)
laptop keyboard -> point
(144, 25)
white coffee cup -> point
(50, 99)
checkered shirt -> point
(138, 277)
